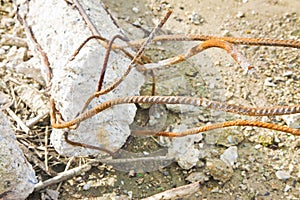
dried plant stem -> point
(175, 193)
(233, 108)
(63, 176)
(20, 123)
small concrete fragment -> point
(17, 176)
(183, 149)
(230, 155)
(292, 121)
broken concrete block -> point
(16, 174)
(60, 29)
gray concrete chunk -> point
(60, 29)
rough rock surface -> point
(17, 175)
(74, 81)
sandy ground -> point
(262, 154)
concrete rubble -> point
(74, 81)
(17, 175)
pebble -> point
(240, 14)
(135, 9)
(287, 188)
(4, 98)
(130, 194)
(282, 175)
(195, 18)
(230, 155)
(52, 194)
(197, 177)
(268, 82)
(131, 173)
(87, 186)
(243, 187)
(219, 170)
(292, 121)
(2, 51)
(288, 73)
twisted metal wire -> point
(205, 103)
(225, 43)
(238, 41)
(238, 122)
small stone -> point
(4, 98)
(135, 9)
(229, 138)
(296, 144)
(140, 181)
(243, 187)
(219, 170)
(52, 194)
(292, 121)
(283, 175)
(87, 186)
(195, 18)
(130, 194)
(2, 51)
(258, 146)
(240, 14)
(287, 188)
(288, 73)
(230, 155)
(131, 173)
(197, 177)
(268, 82)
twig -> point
(66, 169)
(33, 121)
(178, 192)
(10, 40)
(63, 176)
(18, 120)
(46, 149)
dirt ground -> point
(262, 154)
